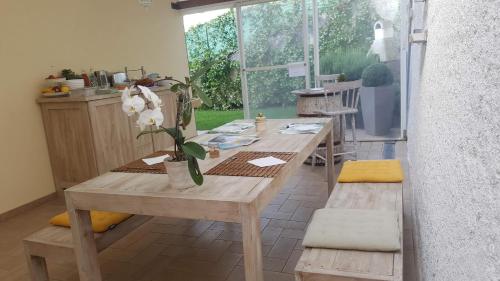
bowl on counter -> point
(75, 84)
(49, 83)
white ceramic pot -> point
(178, 174)
(75, 84)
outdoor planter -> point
(377, 99)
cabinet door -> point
(70, 143)
(113, 139)
(169, 109)
(143, 146)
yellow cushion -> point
(101, 221)
(371, 171)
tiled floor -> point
(185, 250)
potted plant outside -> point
(182, 167)
(377, 99)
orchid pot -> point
(178, 173)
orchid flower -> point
(127, 93)
(150, 117)
(151, 96)
(132, 105)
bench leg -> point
(37, 267)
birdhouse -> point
(384, 44)
(382, 30)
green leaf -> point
(199, 93)
(201, 71)
(175, 87)
(194, 170)
(187, 110)
(194, 149)
(179, 138)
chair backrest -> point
(349, 92)
(322, 80)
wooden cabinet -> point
(90, 135)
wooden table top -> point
(149, 194)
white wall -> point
(38, 38)
(454, 143)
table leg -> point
(330, 166)
(252, 248)
(84, 243)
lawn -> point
(209, 119)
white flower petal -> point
(138, 103)
(144, 119)
(151, 96)
(126, 94)
(150, 118)
(146, 92)
(157, 116)
(133, 105)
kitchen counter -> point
(81, 97)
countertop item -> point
(81, 97)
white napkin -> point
(266, 161)
(155, 160)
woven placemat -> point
(238, 166)
(138, 166)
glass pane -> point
(354, 35)
(270, 92)
(272, 33)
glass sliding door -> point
(272, 38)
(351, 36)
(284, 44)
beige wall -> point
(38, 38)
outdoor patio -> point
(187, 250)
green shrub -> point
(376, 75)
(350, 62)
(342, 78)
(215, 40)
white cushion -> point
(354, 229)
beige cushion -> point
(354, 229)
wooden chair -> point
(317, 264)
(347, 94)
(56, 242)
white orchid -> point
(132, 105)
(150, 117)
(127, 93)
(151, 96)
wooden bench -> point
(55, 242)
(317, 264)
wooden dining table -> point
(220, 198)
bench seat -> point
(317, 264)
(56, 242)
